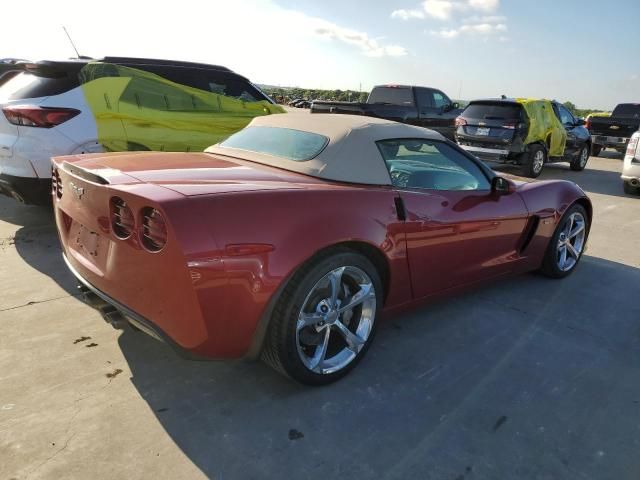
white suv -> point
(52, 109)
(631, 168)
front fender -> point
(547, 201)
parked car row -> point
(256, 273)
(300, 103)
(525, 132)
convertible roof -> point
(351, 154)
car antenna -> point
(71, 41)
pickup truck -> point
(422, 106)
(614, 131)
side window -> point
(425, 98)
(565, 116)
(440, 99)
(430, 165)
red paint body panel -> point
(238, 230)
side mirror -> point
(502, 186)
(580, 122)
(455, 105)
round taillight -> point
(122, 219)
(153, 235)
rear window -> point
(391, 95)
(27, 85)
(286, 143)
(492, 111)
(628, 110)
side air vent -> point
(122, 220)
(153, 235)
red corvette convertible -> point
(290, 238)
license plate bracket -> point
(87, 241)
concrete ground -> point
(524, 379)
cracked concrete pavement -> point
(526, 378)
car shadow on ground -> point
(526, 378)
(603, 182)
(36, 240)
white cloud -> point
(486, 5)
(485, 19)
(440, 9)
(369, 46)
(407, 14)
(484, 29)
(444, 9)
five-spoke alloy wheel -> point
(325, 319)
(567, 244)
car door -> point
(569, 123)
(435, 111)
(458, 231)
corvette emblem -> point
(614, 127)
(77, 191)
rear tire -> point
(312, 338)
(567, 244)
(595, 150)
(630, 189)
(578, 163)
(533, 161)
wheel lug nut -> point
(324, 309)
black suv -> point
(524, 132)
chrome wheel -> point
(538, 161)
(571, 241)
(336, 320)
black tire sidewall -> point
(575, 163)
(527, 164)
(287, 343)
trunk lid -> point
(184, 173)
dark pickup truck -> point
(421, 106)
(616, 130)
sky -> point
(583, 51)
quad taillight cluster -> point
(56, 183)
(152, 230)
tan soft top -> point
(351, 154)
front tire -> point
(595, 150)
(578, 163)
(533, 161)
(324, 322)
(567, 243)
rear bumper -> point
(493, 155)
(609, 141)
(117, 314)
(29, 190)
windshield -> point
(286, 143)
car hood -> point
(185, 173)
